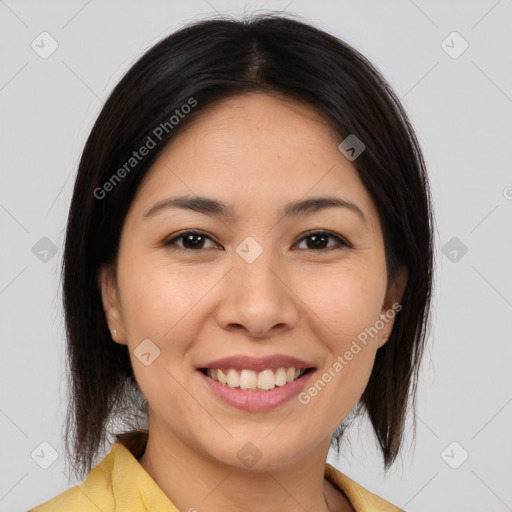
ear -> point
(111, 304)
(391, 305)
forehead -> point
(255, 150)
(261, 114)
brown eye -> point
(318, 240)
(195, 240)
(192, 240)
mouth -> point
(256, 391)
(250, 380)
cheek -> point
(345, 301)
(157, 299)
(158, 305)
(344, 311)
(345, 307)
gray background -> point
(461, 108)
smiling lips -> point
(258, 364)
(256, 374)
(249, 379)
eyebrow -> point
(208, 206)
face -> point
(251, 280)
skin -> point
(255, 152)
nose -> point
(258, 298)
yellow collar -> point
(119, 483)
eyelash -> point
(343, 243)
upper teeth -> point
(249, 379)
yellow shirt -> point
(120, 484)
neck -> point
(194, 481)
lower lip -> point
(255, 401)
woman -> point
(248, 259)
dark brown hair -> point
(208, 61)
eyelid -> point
(176, 236)
(343, 242)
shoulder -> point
(117, 484)
(93, 494)
(360, 498)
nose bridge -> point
(256, 296)
(256, 267)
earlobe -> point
(396, 289)
(392, 304)
(383, 337)
(111, 306)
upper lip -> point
(258, 364)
